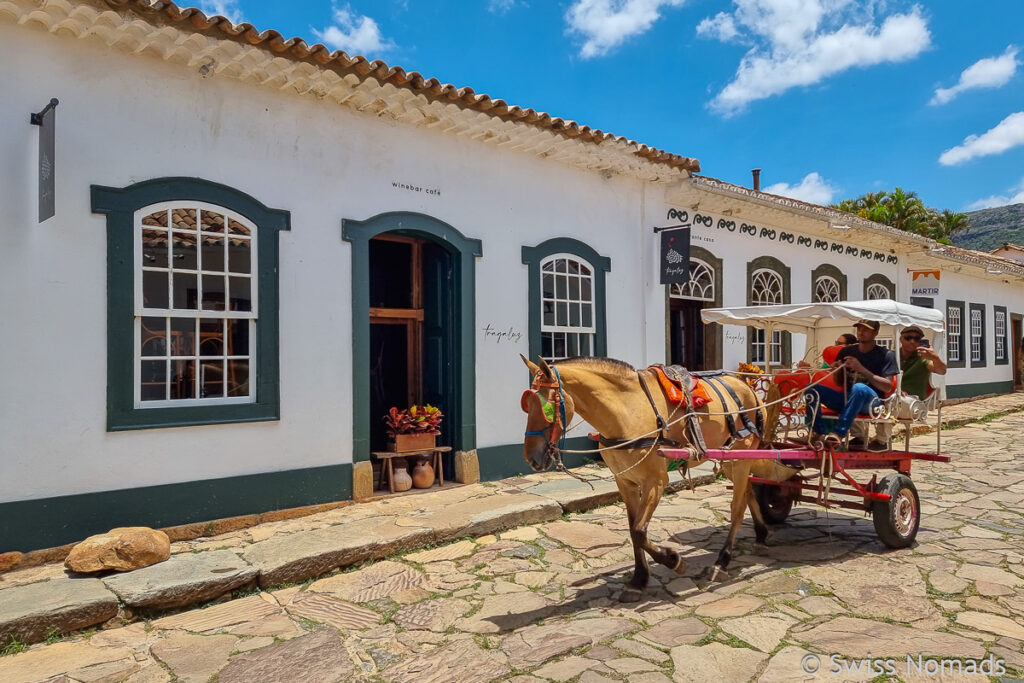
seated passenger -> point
(918, 360)
(869, 370)
(845, 339)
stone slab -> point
(339, 614)
(574, 495)
(379, 580)
(488, 515)
(319, 657)
(715, 662)
(54, 660)
(303, 555)
(29, 612)
(861, 637)
(461, 661)
(192, 658)
(182, 580)
(230, 613)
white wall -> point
(317, 160)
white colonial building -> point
(259, 246)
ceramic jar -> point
(422, 474)
(400, 475)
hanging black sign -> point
(675, 256)
(46, 120)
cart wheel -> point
(775, 503)
(897, 519)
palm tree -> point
(950, 223)
(906, 211)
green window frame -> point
(877, 279)
(533, 257)
(999, 313)
(827, 270)
(957, 336)
(120, 206)
(981, 360)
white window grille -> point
(826, 289)
(701, 286)
(195, 306)
(885, 342)
(1000, 324)
(567, 307)
(953, 325)
(766, 289)
(977, 336)
(878, 291)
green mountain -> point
(991, 227)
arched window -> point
(878, 286)
(766, 288)
(701, 286)
(878, 291)
(192, 306)
(826, 289)
(195, 305)
(568, 323)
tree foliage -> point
(905, 211)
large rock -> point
(31, 611)
(317, 658)
(296, 557)
(122, 549)
(182, 580)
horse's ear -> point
(533, 367)
(544, 367)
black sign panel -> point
(675, 256)
(46, 120)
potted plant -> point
(414, 428)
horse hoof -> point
(680, 567)
(716, 574)
(631, 595)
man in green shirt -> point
(917, 362)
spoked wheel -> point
(897, 519)
(774, 501)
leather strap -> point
(750, 426)
(736, 434)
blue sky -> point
(830, 98)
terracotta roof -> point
(163, 13)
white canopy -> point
(804, 318)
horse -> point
(610, 395)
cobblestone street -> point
(540, 602)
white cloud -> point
(1016, 196)
(992, 72)
(721, 26)
(812, 189)
(224, 8)
(355, 34)
(500, 6)
(803, 42)
(1007, 134)
(606, 24)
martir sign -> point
(924, 282)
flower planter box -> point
(412, 442)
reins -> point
(559, 428)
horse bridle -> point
(556, 426)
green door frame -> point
(464, 250)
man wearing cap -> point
(869, 372)
(917, 363)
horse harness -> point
(691, 426)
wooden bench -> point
(387, 456)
